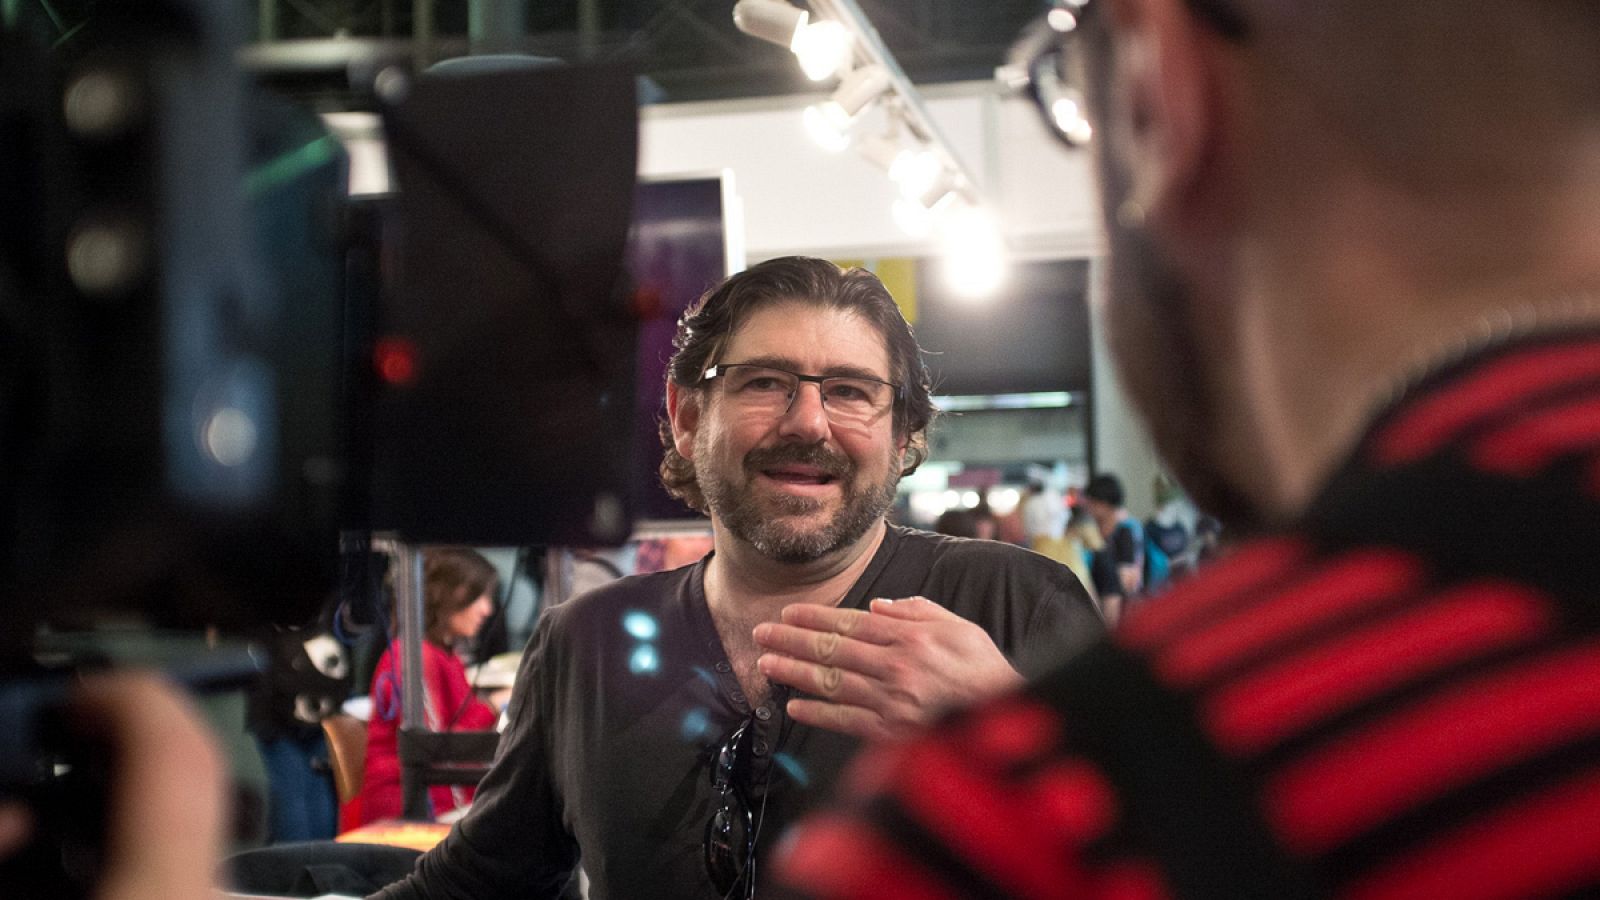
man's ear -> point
(683, 411)
(1164, 106)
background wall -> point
(798, 198)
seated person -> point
(458, 596)
(666, 727)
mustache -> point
(834, 465)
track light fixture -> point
(770, 20)
(829, 122)
(822, 47)
(937, 195)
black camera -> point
(214, 361)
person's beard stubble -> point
(1161, 361)
(764, 522)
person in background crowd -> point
(459, 588)
(1083, 536)
(668, 726)
(1044, 514)
(957, 521)
(985, 523)
(1169, 547)
(1118, 566)
(1210, 544)
(1354, 285)
(1044, 521)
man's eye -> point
(764, 383)
(847, 392)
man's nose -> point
(806, 419)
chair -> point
(347, 751)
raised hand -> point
(882, 673)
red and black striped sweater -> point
(1398, 699)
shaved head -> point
(1302, 196)
(1437, 91)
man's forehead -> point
(808, 334)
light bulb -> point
(915, 172)
(828, 126)
(823, 48)
(1070, 119)
(830, 121)
(974, 253)
(1062, 20)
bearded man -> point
(1355, 289)
(665, 728)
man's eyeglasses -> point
(730, 839)
(768, 391)
(1042, 62)
(1046, 61)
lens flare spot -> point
(645, 660)
(641, 625)
(793, 767)
(696, 723)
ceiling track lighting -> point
(822, 47)
(770, 20)
(937, 193)
(830, 122)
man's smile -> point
(798, 474)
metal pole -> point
(494, 26)
(413, 716)
(267, 21)
(588, 27)
(422, 33)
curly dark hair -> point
(705, 328)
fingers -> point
(852, 623)
(827, 648)
(912, 609)
(852, 720)
(165, 827)
(831, 682)
(16, 823)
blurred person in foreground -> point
(458, 595)
(1355, 288)
(167, 807)
(665, 728)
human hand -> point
(882, 673)
(167, 812)
(1131, 578)
(16, 824)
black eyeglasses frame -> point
(720, 370)
(1034, 62)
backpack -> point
(1157, 565)
(1162, 543)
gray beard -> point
(767, 526)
